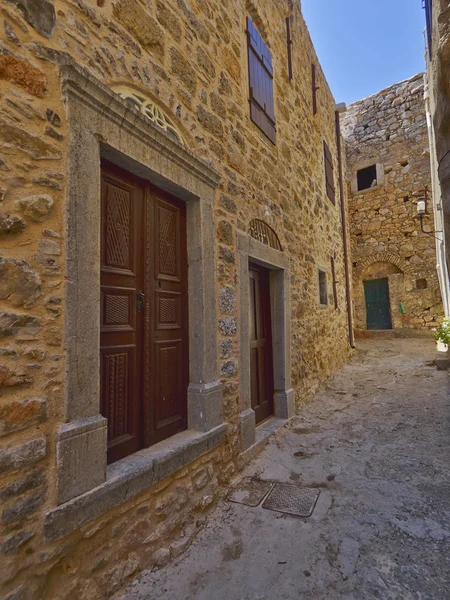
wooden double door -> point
(144, 313)
(261, 356)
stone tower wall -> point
(389, 129)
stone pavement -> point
(376, 443)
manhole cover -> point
(250, 492)
(292, 499)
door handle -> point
(140, 302)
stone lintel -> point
(129, 477)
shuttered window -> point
(262, 110)
(329, 177)
(314, 88)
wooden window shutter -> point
(329, 176)
(314, 88)
(262, 108)
(289, 47)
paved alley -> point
(375, 442)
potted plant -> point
(442, 337)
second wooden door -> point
(261, 357)
(144, 313)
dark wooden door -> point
(167, 368)
(121, 323)
(144, 319)
(377, 304)
(261, 357)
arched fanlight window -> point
(264, 233)
(149, 109)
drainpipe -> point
(351, 336)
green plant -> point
(443, 332)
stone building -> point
(172, 271)
(395, 282)
(438, 116)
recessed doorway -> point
(378, 312)
(261, 354)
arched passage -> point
(381, 287)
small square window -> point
(367, 178)
(323, 292)
(421, 284)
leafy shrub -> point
(443, 332)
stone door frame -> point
(250, 250)
(101, 124)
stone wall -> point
(389, 130)
(190, 57)
(438, 69)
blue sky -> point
(366, 45)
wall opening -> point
(421, 284)
(323, 292)
(367, 177)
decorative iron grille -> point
(149, 109)
(259, 230)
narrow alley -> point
(374, 442)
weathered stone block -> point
(23, 508)
(34, 146)
(228, 368)
(22, 455)
(205, 63)
(13, 544)
(139, 23)
(161, 557)
(226, 348)
(10, 224)
(23, 484)
(36, 207)
(49, 247)
(18, 415)
(182, 69)
(17, 324)
(22, 73)
(210, 122)
(80, 457)
(196, 25)
(53, 134)
(168, 19)
(19, 283)
(9, 378)
(227, 300)
(115, 577)
(227, 255)
(40, 14)
(227, 326)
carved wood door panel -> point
(261, 356)
(121, 328)
(144, 313)
(167, 367)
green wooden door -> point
(377, 304)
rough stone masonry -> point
(189, 58)
(388, 131)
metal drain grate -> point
(250, 492)
(292, 500)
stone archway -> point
(380, 257)
(378, 266)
